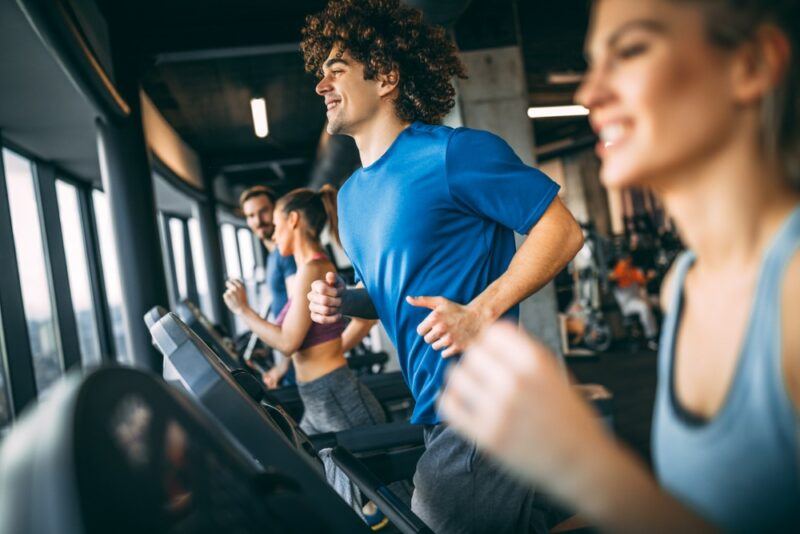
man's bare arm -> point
(550, 245)
(547, 249)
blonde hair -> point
(731, 23)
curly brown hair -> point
(384, 35)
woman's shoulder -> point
(790, 333)
(315, 269)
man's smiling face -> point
(350, 100)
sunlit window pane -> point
(178, 255)
(247, 252)
(108, 253)
(200, 272)
(232, 267)
(78, 269)
(34, 278)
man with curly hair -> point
(428, 223)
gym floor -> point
(631, 377)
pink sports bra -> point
(317, 333)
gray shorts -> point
(338, 401)
(459, 490)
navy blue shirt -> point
(278, 269)
(436, 216)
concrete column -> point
(585, 195)
(206, 213)
(574, 192)
(129, 187)
(128, 183)
(495, 98)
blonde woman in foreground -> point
(699, 101)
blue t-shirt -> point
(278, 269)
(436, 216)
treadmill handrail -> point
(247, 422)
(388, 386)
(186, 309)
(397, 511)
(371, 438)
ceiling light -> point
(564, 78)
(557, 111)
(259, 108)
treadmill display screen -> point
(150, 468)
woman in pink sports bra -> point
(333, 397)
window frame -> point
(94, 259)
(64, 328)
(56, 262)
(164, 218)
(21, 380)
(236, 243)
(108, 348)
(17, 359)
(199, 199)
(196, 260)
(83, 190)
(235, 220)
(253, 253)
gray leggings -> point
(338, 401)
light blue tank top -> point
(741, 469)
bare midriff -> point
(319, 360)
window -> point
(229, 247)
(78, 271)
(175, 226)
(249, 275)
(246, 252)
(35, 281)
(233, 269)
(108, 253)
(183, 262)
(200, 272)
(5, 401)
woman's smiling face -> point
(658, 90)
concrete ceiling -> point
(204, 93)
(205, 59)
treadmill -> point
(120, 451)
(233, 405)
(389, 388)
(194, 318)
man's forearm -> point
(356, 303)
(547, 249)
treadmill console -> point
(119, 451)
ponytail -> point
(328, 196)
(316, 209)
